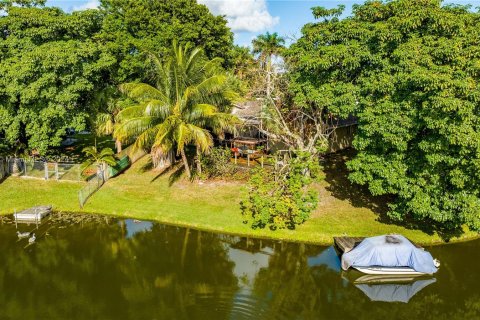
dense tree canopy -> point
(135, 26)
(51, 66)
(58, 69)
(411, 70)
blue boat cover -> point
(389, 251)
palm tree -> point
(180, 108)
(108, 102)
(101, 159)
(267, 46)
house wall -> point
(342, 138)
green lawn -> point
(213, 206)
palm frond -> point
(145, 140)
(200, 137)
(141, 91)
(134, 111)
(104, 123)
(200, 111)
(133, 127)
(158, 109)
(90, 152)
(182, 136)
(223, 122)
(86, 164)
(106, 152)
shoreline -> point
(259, 234)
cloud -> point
(243, 15)
(91, 4)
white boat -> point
(35, 214)
(389, 255)
(389, 271)
(386, 278)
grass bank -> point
(214, 206)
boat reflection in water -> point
(391, 289)
(384, 288)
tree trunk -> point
(269, 78)
(118, 144)
(199, 162)
(15, 168)
(185, 163)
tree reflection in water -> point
(91, 267)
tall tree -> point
(184, 104)
(135, 26)
(411, 70)
(267, 46)
(51, 67)
(6, 4)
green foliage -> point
(410, 69)
(268, 45)
(51, 65)
(135, 26)
(181, 108)
(321, 12)
(105, 156)
(6, 4)
(282, 199)
(57, 69)
(217, 163)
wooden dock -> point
(35, 214)
(347, 244)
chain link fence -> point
(94, 183)
(32, 168)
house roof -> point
(250, 112)
(248, 109)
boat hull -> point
(389, 271)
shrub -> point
(282, 198)
(217, 164)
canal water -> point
(94, 267)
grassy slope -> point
(210, 206)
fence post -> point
(45, 166)
(56, 171)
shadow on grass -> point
(147, 166)
(176, 171)
(336, 174)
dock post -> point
(15, 216)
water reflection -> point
(393, 292)
(135, 226)
(93, 267)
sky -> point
(249, 18)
